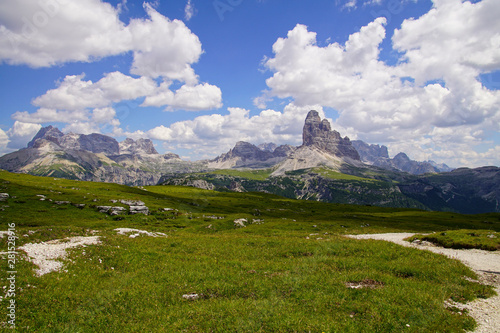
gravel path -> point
(485, 263)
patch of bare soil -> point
(46, 254)
(367, 283)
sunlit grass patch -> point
(246, 283)
(464, 239)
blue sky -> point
(197, 76)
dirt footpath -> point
(485, 263)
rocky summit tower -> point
(318, 133)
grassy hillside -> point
(317, 184)
(466, 191)
(260, 174)
(288, 270)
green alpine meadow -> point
(208, 261)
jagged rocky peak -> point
(171, 156)
(249, 151)
(284, 150)
(245, 154)
(48, 133)
(268, 146)
(402, 157)
(377, 155)
(440, 166)
(370, 152)
(141, 146)
(318, 133)
(95, 143)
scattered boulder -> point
(139, 210)
(4, 196)
(81, 206)
(191, 297)
(132, 202)
(112, 210)
(136, 232)
(240, 223)
(117, 210)
(213, 217)
(103, 209)
(62, 202)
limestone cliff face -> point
(94, 157)
(377, 155)
(48, 133)
(249, 151)
(370, 153)
(95, 143)
(318, 133)
(141, 146)
(321, 146)
(245, 154)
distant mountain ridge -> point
(379, 156)
(321, 146)
(245, 154)
(94, 157)
(94, 143)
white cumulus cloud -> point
(43, 115)
(74, 93)
(99, 120)
(21, 133)
(191, 98)
(45, 33)
(164, 47)
(50, 32)
(4, 141)
(435, 86)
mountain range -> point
(94, 157)
(326, 167)
(379, 156)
